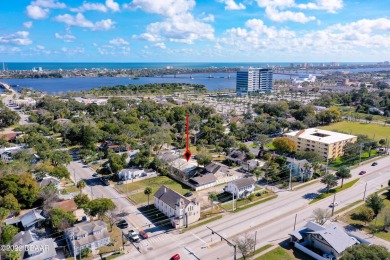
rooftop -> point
(170, 197)
(240, 183)
(67, 205)
(321, 136)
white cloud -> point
(112, 5)
(28, 24)
(160, 45)
(329, 5)
(166, 8)
(281, 4)
(66, 37)
(79, 20)
(49, 4)
(232, 5)
(9, 50)
(119, 41)
(90, 7)
(18, 38)
(209, 18)
(72, 51)
(283, 16)
(36, 12)
(148, 37)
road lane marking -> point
(204, 242)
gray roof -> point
(170, 197)
(45, 247)
(296, 161)
(87, 228)
(31, 217)
(336, 237)
(204, 179)
(240, 183)
(213, 167)
(47, 181)
(23, 238)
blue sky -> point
(195, 30)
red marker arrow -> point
(187, 153)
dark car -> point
(374, 164)
(188, 194)
(175, 257)
(122, 224)
(95, 175)
(105, 182)
(362, 172)
(143, 234)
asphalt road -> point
(272, 220)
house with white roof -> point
(241, 188)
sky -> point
(195, 31)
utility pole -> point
(73, 244)
(91, 193)
(254, 247)
(233, 202)
(360, 153)
(227, 241)
(326, 168)
(334, 199)
(295, 222)
(290, 184)
(364, 195)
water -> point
(218, 82)
(150, 65)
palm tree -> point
(147, 192)
(81, 185)
(343, 173)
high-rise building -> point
(253, 80)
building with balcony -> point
(252, 80)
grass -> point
(70, 189)
(116, 240)
(333, 191)
(374, 131)
(154, 183)
(340, 162)
(202, 223)
(246, 203)
(375, 226)
(258, 251)
(276, 254)
(113, 256)
(348, 207)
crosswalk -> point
(155, 239)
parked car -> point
(95, 175)
(122, 224)
(105, 182)
(362, 172)
(175, 257)
(333, 204)
(374, 164)
(143, 234)
(133, 236)
(188, 194)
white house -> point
(241, 188)
(92, 235)
(181, 211)
(132, 173)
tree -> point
(61, 172)
(147, 192)
(375, 203)
(343, 173)
(112, 217)
(284, 145)
(59, 157)
(321, 215)
(363, 251)
(329, 180)
(212, 197)
(365, 215)
(386, 219)
(203, 157)
(382, 142)
(81, 200)
(116, 162)
(7, 234)
(11, 203)
(261, 140)
(245, 245)
(81, 185)
(257, 173)
(99, 207)
(85, 252)
(61, 219)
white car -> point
(133, 235)
(333, 204)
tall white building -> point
(253, 80)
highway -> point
(272, 220)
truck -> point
(133, 235)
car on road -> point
(362, 172)
(188, 194)
(374, 164)
(143, 234)
(105, 182)
(133, 236)
(122, 224)
(95, 175)
(175, 257)
(333, 204)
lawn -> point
(276, 254)
(258, 251)
(155, 183)
(374, 226)
(374, 131)
(70, 189)
(116, 240)
(333, 191)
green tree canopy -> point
(375, 202)
(81, 200)
(329, 180)
(343, 173)
(60, 219)
(363, 251)
(7, 234)
(284, 145)
(99, 207)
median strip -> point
(333, 191)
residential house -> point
(181, 211)
(33, 249)
(241, 188)
(49, 181)
(301, 169)
(32, 219)
(132, 173)
(332, 239)
(92, 235)
(203, 181)
(237, 157)
(70, 206)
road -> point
(272, 220)
(6, 100)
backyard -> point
(373, 131)
(136, 189)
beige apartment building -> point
(326, 143)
